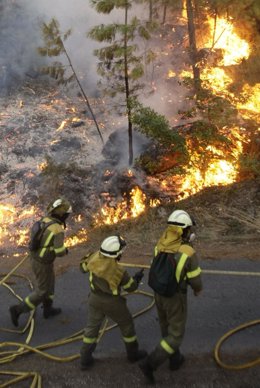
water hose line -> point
(23, 348)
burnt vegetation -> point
(198, 123)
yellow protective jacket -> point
(52, 242)
(187, 269)
(106, 276)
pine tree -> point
(121, 62)
(54, 47)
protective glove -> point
(138, 276)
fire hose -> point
(24, 348)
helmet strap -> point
(186, 234)
(118, 258)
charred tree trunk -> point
(127, 92)
(193, 46)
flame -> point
(235, 48)
(14, 224)
(61, 127)
(131, 208)
(220, 171)
(42, 166)
(218, 80)
(154, 202)
(171, 74)
(80, 238)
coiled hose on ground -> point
(23, 348)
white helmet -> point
(180, 218)
(112, 246)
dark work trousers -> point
(172, 314)
(113, 307)
(44, 283)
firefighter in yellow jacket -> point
(107, 278)
(42, 259)
(172, 311)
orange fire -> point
(235, 48)
(219, 170)
(15, 226)
(10, 218)
(131, 208)
(79, 238)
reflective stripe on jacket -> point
(187, 269)
(99, 284)
(52, 242)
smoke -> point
(20, 36)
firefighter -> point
(172, 311)
(107, 278)
(42, 262)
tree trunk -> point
(193, 47)
(164, 12)
(127, 94)
(150, 10)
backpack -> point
(37, 231)
(162, 277)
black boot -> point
(48, 310)
(133, 352)
(152, 362)
(86, 358)
(147, 370)
(15, 312)
(176, 360)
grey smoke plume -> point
(20, 35)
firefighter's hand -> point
(138, 276)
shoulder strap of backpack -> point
(45, 226)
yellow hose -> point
(23, 348)
(225, 337)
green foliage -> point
(53, 39)
(249, 166)
(120, 61)
(156, 127)
(217, 110)
(104, 6)
(207, 144)
(54, 47)
(104, 33)
(205, 134)
(137, 72)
